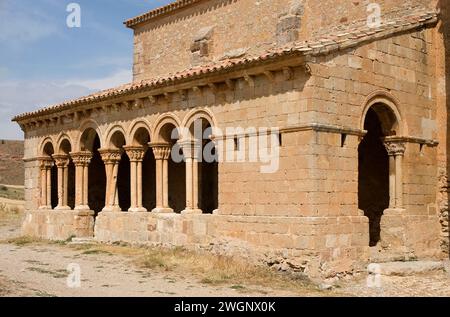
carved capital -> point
(395, 148)
(111, 156)
(135, 153)
(61, 161)
(161, 150)
(81, 158)
(46, 163)
(191, 148)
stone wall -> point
(317, 246)
(198, 34)
(442, 36)
(61, 225)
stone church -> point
(326, 122)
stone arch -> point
(49, 185)
(387, 108)
(86, 136)
(116, 137)
(196, 114)
(64, 144)
(137, 130)
(64, 148)
(47, 148)
(165, 120)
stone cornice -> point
(171, 7)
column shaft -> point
(81, 161)
(43, 188)
(49, 187)
(399, 180)
(165, 182)
(159, 184)
(139, 184)
(191, 154)
(392, 187)
(133, 185)
(162, 154)
(111, 158)
(66, 186)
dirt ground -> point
(40, 268)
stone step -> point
(406, 268)
(378, 255)
(78, 241)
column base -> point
(139, 209)
(394, 212)
(63, 208)
(84, 208)
(192, 212)
(112, 209)
(45, 208)
(162, 210)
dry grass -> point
(208, 268)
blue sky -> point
(43, 62)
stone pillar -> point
(136, 155)
(62, 162)
(396, 151)
(111, 158)
(162, 155)
(192, 155)
(81, 160)
(46, 185)
(393, 226)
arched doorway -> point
(90, 141)
(375, 170)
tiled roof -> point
(159, 11)
(321, 46)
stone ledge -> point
(405, 268)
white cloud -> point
(25, 96)
(117, 79)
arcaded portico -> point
(310, 145)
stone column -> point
(399, 176)
(191, 151)
(81, 160)
(396, 151)
(136, 155)
(162, 154)
(46, 179)
(111, 158)
(62, 162)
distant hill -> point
(11, 164)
